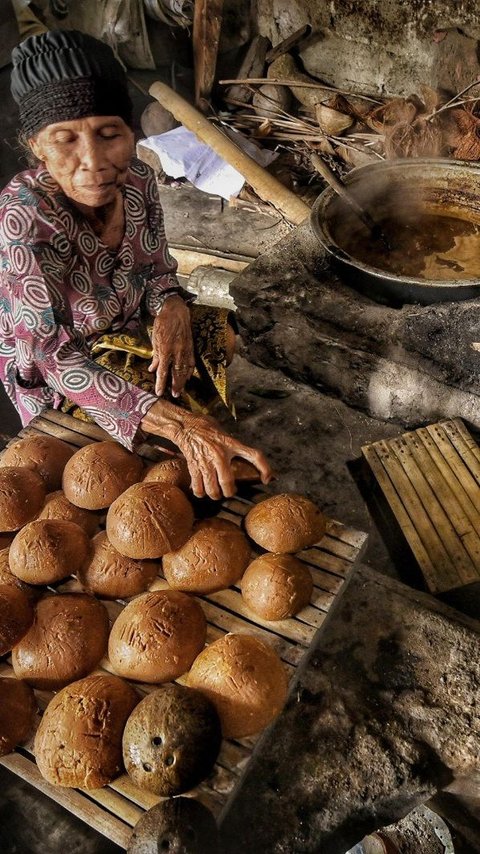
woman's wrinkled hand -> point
(207, 449)
(173, 355)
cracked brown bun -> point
(43, 454)
(171, 740)
(277, 586)
(97, 474)
(16, 616)
(22, 493)
(79, 740)
(7, 576)
(18, 708)
(68, 638)
(285, 523)
(176, 825)
(57, 506)
(113, 575)
(149, 520)
(157, 636)
(173, 471)
(246, 681)
(214, 557)
(48, 550)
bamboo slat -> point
(116, 808)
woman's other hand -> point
(207, 449)
(173, 356)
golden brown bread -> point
(171, 740)
(57, 506)
(110, 574)
(277, 586)
(98, 473)
(79, 740)
(157, 636)
(18, 708)
(48, 550)
(173, 470)
(285, 523)
(149, 519)
(22, 493)
(68, 638)
(16, 616)
(213, 558)
(246, 681)
(44, 454)
(7, 576)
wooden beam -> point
(207, 22)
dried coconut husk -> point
(392, 113)
(356, 156)
(332, 122)
(461, 133)
(420, 138)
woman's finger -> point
(181, 373)
(197, 484)
(226, 479)
(210, 481)
(163, 368)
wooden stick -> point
(278, 81)
(285, 45)
(207, 21)
(189, 260)
(265, 185)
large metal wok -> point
(437, 186)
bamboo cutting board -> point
(115, 809)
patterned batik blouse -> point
(61, 288)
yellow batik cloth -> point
(129, 355)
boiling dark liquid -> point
(420, 245)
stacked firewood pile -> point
(298, 115)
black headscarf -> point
(63, 75)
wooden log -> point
(190, 259)
(265, 185)
(207, 21)
(252, 66)
(291, 41)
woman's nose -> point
(92, 155)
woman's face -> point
(87, 157)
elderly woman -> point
(83, 253)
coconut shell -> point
(285, 523)
(47, 550)
(22, 493)
(16, 616)
(18, 709)
(57, 506)
(98, 473)
(277, 586)
(114, 576)
(176, 825)
(43, 454)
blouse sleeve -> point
(47, 341)
(162, 281)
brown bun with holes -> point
(285, 523)
(113, 575)
(173, 471)
(43, 454)
(214, 557)
(79, 740)
(47, 550)
(17, 713)
(176, 825)
(157, 636)
(67, 640)
(57, 506)
(149, 520)
(246, 681)
(22, 493)
(171, 740)
(245, 472)
(16, 616)
(277, 586)
(97, 474)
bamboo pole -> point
(265, 185)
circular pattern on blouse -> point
(87, 243)
(77, 379)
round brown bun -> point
(285, 523)
(173, 471)
(157, 636)
(149, 520)
(176, 825)
(277, 586)
(246, 681)
(79, 740)
(97, 474)
(47, 550)
(245, 472)
(113, 575)
(22, 493)
(68, 638)
(7, 576)
(43, 454)
(57, 506)
(171, 740)
(214, 557)
(16, 616)
(17, 713)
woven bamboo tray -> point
(115, 809)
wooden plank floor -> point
(430, 478)
(115, 809)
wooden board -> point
(430, 478)
(115, 809)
